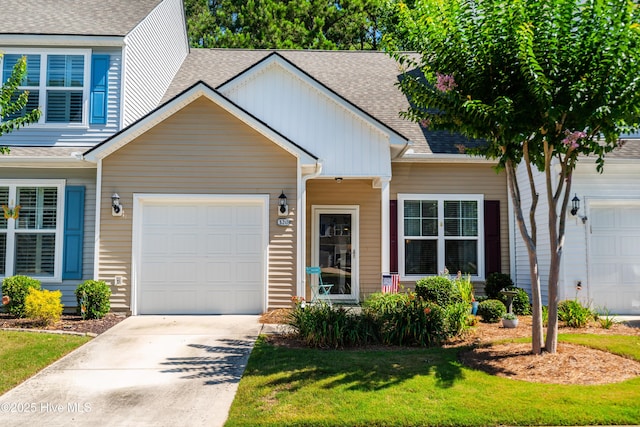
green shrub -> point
(43, 306)
(520, 304)
(392, 319)
(545, 316)
(413, 322)
(464, 288)
(491, 310)
(495, 283)
(321, 325)
(17, 289)
(93, 299)
(574, 314)
(438, 290)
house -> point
(600, 265)
(217, 176)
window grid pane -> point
(38, 208)
(4, 201)
(33, 68)
(421, 256)
(65, 70)
(460, 218)
(33, 102)
(461, 255)
(64, 106)
(420, 218)
(35, 254)
(3, 252)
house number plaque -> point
(284, 222)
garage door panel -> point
(218, 243)
(202, 257)
(218, 272)
(248, 215)
(615, 257)
(219, 216)
(603, 245)
(248, 244)
(156, 216)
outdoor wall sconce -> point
(283, 208)
(116, 207)
(575, 207)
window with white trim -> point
(440, 232)
(31, 228)
(57, 81)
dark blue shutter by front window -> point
(99, 89)
(73, 233)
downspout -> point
(302, 226)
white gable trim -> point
(276, 60)
(60, 40)
(165, 111)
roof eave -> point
(442, 158)
(62, 40)
(44, 162)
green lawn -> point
(419, 387)
(22, 354)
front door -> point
(334, 250)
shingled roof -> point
(367, 79)
(74, 17)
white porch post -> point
(385, 220)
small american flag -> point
(390, 283)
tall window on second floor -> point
(57, 83)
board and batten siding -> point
(80, 177)
(350, 146)
(154, 52)
(80, 136)
(358, 192)
(201, 149)
(461, 178)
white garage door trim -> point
(594, 204)
(139, 202)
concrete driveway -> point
(145, 371)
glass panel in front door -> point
(335, 251)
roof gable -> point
(169, 108)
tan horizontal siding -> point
(349, 193)
(430, 178)
(202, 149)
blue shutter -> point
(73, 233)
(99, 89)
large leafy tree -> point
(544, 82)
(13, 102)
(291, 24)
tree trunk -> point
(536, 298)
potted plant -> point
(509, 320)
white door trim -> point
(354, 210)
(139, 201)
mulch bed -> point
(571, 364)
(68, 323)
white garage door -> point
(615, 257)
(202, 256)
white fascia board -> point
(442, 158)
(167, 110)
(395, 138)
(60, 40)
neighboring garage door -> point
(202, 256)
(614, 253)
